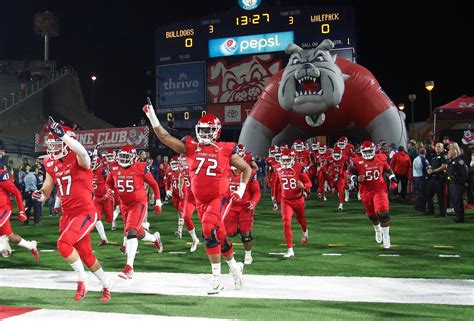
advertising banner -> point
(181, 84)
(231, 114)
(108, 138)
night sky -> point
(402, 43)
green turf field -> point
(417, 239)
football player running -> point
(189, 203)
(295, 186)
(337, 169)
(102, 204)
(129, 178)
(68, 166)
(209, 163)
(368, 171)
(7, 188)
(241, 213)
(110, 161)
(173, 188)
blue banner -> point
(255, 44)
(181, 84)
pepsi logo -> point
(229, 46)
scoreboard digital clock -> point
(207, 63)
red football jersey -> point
(74, 184)
(303, 157)
(252, 191)
(337, 169)
(130, 182)
(209, 167)
(172, 182)
(7, 188)
(372, 170)
(248, 158)
(187, 192)
(289, 179)
(98, 181)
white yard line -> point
(349, 289)
(48, 315)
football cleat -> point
(114, 226)
(194, 246)
(386, 241)
(158, 243)
(81, 291)
(34, 250)
(289, 254)
(340, 208)
(105, 295)
(378, 236)
(102, 243)
(248, 259)
(216, 286)
(237, 274)
(305, 237)
(179, 234)
(123, 249)
(126, 273)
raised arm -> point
(239, 163)
(172, 142)
(57, 129)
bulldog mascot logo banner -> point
(320, 94)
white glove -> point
(169, 193)
(150, 113)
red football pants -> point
(287, 209)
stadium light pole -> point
(429, 85)
(94, 78)
(412, 98)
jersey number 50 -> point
(372, 175)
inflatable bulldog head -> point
(311, 82)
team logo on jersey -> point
(49, 164)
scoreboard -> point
(194, 58)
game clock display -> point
(197, 40)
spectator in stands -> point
(31, 185)
(261, 172)
(420, 180)
(401, 165)
(22, 174)
(412, 151)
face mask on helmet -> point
(367, 150)
(277, 156)
(341, 144)
(336, 156)
(314, 146)
(96, 162)
(57, 149)
(183, 162)
(298, 147)
(110, 156)
(208, 129)
(287, 161)
(322, 150)
(126, 158)
(174, 165)
(241, 150)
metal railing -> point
(18, 147)
(7, 103)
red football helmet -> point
(110, 155)
(283, 147)
(342, 142)
(277, 156)
(322, 149)
(126, 156)
(96, 162)
(382, 144)
(287, 158)
(314, 146)
(298, 145)
(336, 153)
(273, 150)
(174, 163)
(57, 149)
(182, 158)
(241, 150)
(367, 149)
(208, 129)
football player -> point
(323, 161)
(173, 191)
(240, 217)
(111, 161)
(337, 169)
(189, 203)
(272, 163)
(295, 186)
(209, 163)
(247, 156)
(8, 188)
(368, 171)
(68, 166)
(102, 204)
(302, 154)
(129, 178)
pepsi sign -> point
(254, 44)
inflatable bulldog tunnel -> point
(320, 94)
